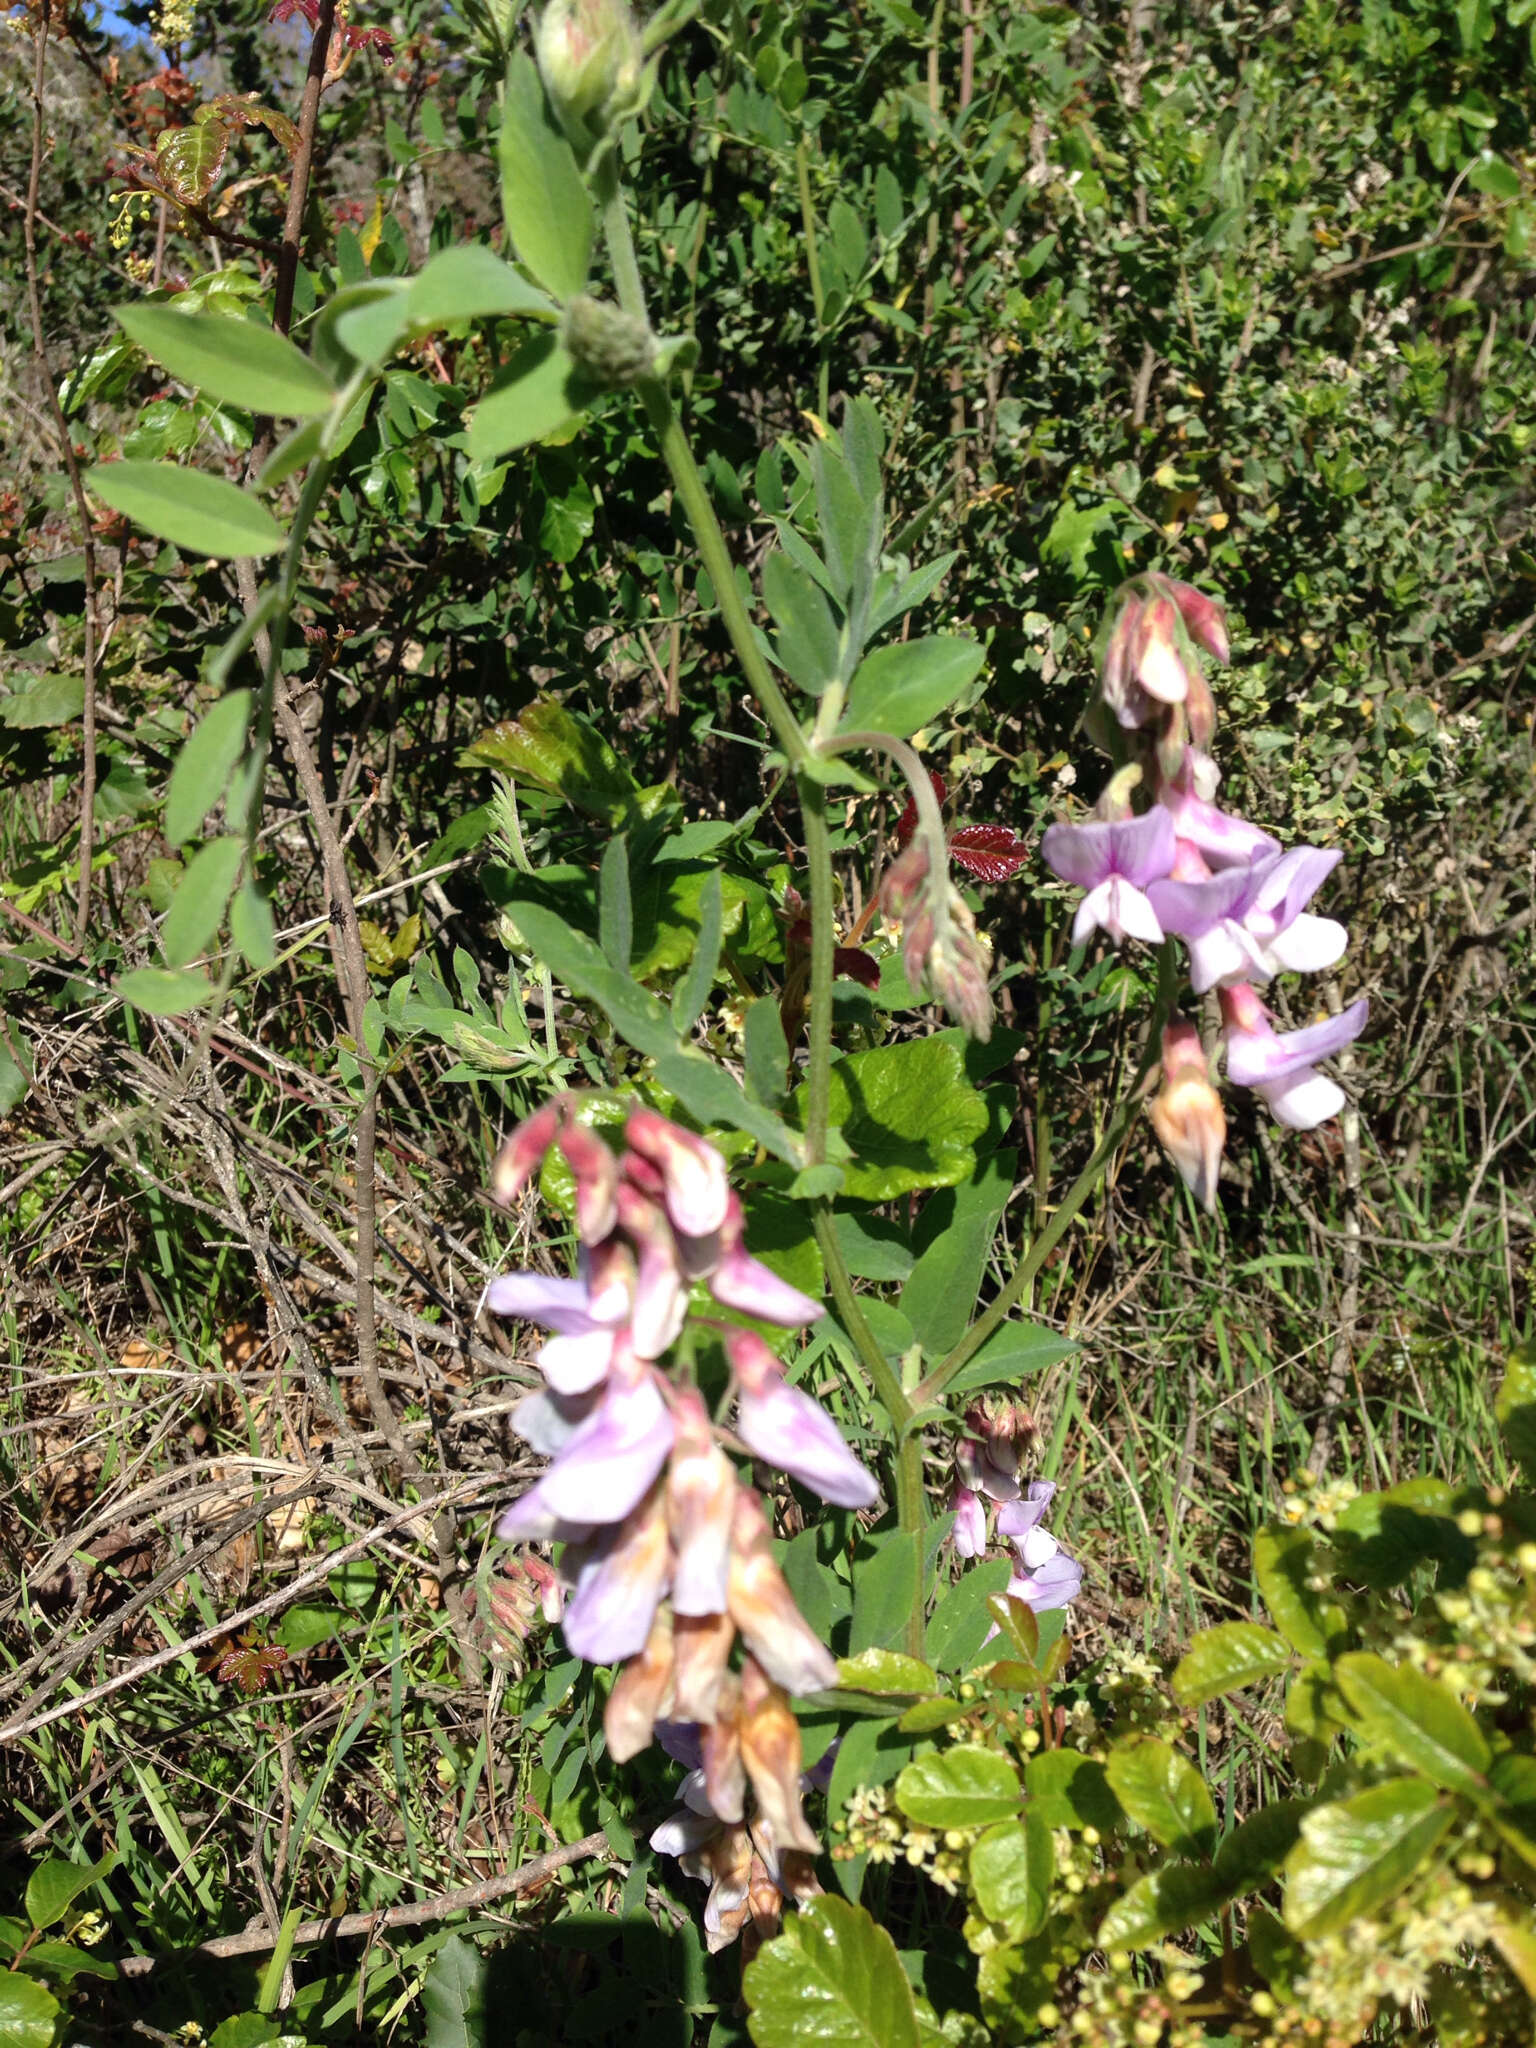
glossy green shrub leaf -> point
(55, 1885)
(832, 1978)
(543, 199)
(164, 992)
(1164, 1902)
(1284, 1559)
(238, 361)
(204, 765)
(1072, 1790)
(202, 896)
(908, 1115)
(904, 686)
(245, 2030)
(28, 2012)
(1226, 1658)
(63, 1962)
(1163, 1793)
(886, 1672)
(202, 514)
(1356, 1854)
(538, 392)
(1413, 1715)
(962, 1787)
(1515, 1407)
(1010, 1868)
(553, 749)
(1256, 1848)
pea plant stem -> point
(911, 1503)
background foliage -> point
(1241, 292)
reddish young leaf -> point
(857, 965)
(990, 852)
(250, 1666)
(906, 824)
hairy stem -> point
(76, 487)
(911, 1503)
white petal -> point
(1309, 943)
(1093, 911)
(1036, 1548)
(1304, 1100)
(1218, 955)
(1132, 915)
(574, 1365)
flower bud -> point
(1156, 657)
(1187, 1113)
(589, 54)
(763, 1608)
(701, 1650)
(523, 1153)
(612, 348)
(701, 1500)
(1204, 619)
(596, 1173)
(725, 1776)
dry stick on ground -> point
(258, 1940)
(77, 489)
(466, 1490)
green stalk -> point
(813, 269)
(1046, 1241)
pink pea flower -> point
(1187, 1114)
(701, 1502)
(1114, 860)
(988, 1463)
(605, 1467)
(586, 1324)
(1280, 1065)
(969, 1535)
(1223, 838)
(619, 1587)
(788, 1429)
(661, 1285)
(764, 1610)
(1247, 924)
(694, 1185)
(1047, 1577)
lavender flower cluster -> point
(667, 1556)
(1186, 869)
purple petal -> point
(1309, 944)
(1190, 909)
(609, 1615)
(680, 1740)
(1254, 1059)
(1221, 837)
(746, 1284)
(609, 1462)
(1143, 848)
(546, 1422)
(562, 1305)
(577, 1364)
(1287, 887)
(970, 1531)
(1079, 854)
(786, 1428)
(530, 1519)
(681, 1833)
(1055, 1584)
(1020, 1516)
(1224, 954)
